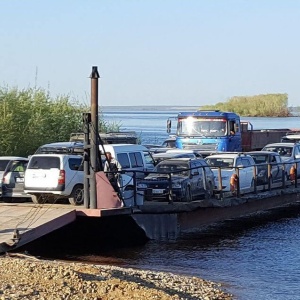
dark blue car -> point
(181, 179)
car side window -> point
(297, 151)
(239, 161)
(123, 159)
(19, 166)
(136, 159)
(76, 164)
(246, 162)
(196, 167)
(148, 158)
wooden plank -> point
(30, 222)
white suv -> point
(52, 176)
(229, 163)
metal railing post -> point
(255, 179)
(134, 191)
(269, 177)
(220, 187)
(238, 192)
(170, 189)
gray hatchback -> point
(289, 152)
(12, 169)
(265, 160)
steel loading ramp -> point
(23, 223)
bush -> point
(270, 105)
(30, 118)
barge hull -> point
(167, 222)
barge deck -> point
(22, 223)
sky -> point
(152, 52)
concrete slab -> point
(23, 223)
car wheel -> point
(37, 199)
(77, 196)
(188, 194)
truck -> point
(217, 131)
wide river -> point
(257, 258)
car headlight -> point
(176, 185)
(142, 185)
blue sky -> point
(151, 52)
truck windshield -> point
(201, 126)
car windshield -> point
(3, 164)
(220, 162)
(282, 151)
(177, 169)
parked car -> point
(190, 179)
(262, 160)
(289, 152)
(12, 169)
(167, 144)
(158, 157)
(61, 148)
(229, 163)
(132, 157)
(52, 176)
(291, 138)
(195, 152)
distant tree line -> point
(269, 105)
(30, 118)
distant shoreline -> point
(150, 108)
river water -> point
(255, 258)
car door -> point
(75, 171)
(245, 172)
(197, 178)
(207, 176)
(276, 169)
(248, 165)
(242, 173)
(13, 178)
(149, 161)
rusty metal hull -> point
(163, 222)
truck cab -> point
(208, 131)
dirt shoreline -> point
(31, 278)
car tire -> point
(37, 199)
(188, 194)
(77, 195)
